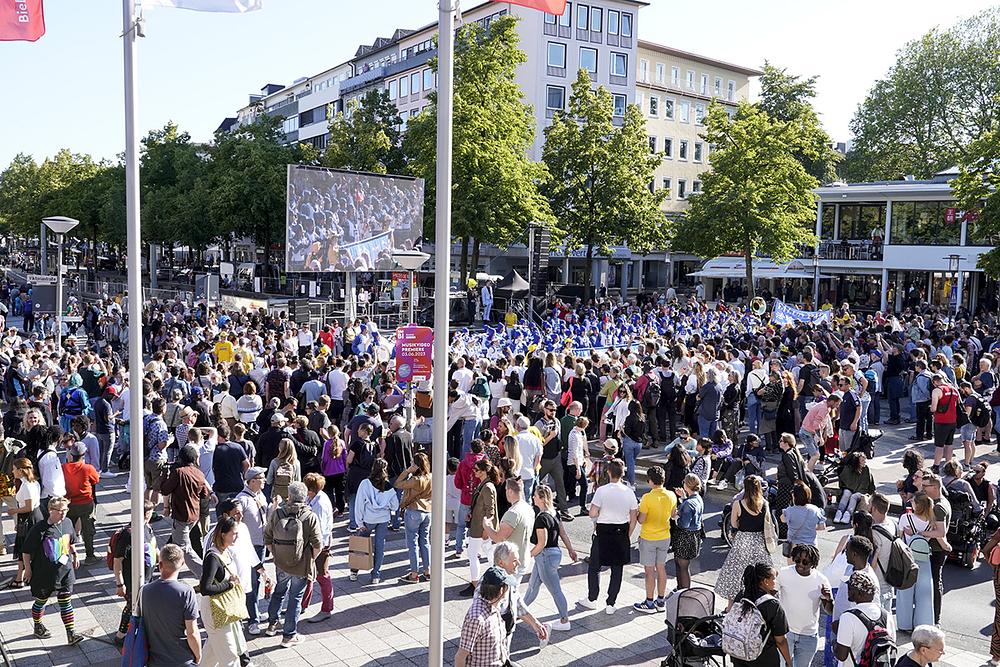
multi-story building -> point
(674, 89)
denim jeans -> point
(254, 588)
(707, 427)
(915, 605)
(470, 431)
(631, 449)
(875, 409)
(529, 486)
(894, 392)
(753, 413)
(294, 587)
(546, 572)
(352, 520)
(802, 648)
(378, 533)
(396, 519)
(417, 525)
(461, 528)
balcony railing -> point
(845, 250)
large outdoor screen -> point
(349, 221)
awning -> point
(735, 267)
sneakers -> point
(41, 632)
(320, 617)
(254, 629)
(272, 629)
(376, 580)
(646, 607)
(609, 610)
(467, 591)
(722, 486)
(294, 640)
(92, 560)
(559, 626)
(587, 603)
(566, 517)
(661, 604)
(353, 576)
(839, 518)
(73, 638)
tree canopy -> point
(368, 138)
(977, 189)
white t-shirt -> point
(464, 377)
(337, 379)
(51, 474)
(852, 632)
(800, 598)
(530, 447)
(616, 501)
(29, 491)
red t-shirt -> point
(80, 480)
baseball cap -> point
(111, 390)
(278, 418)
(253, 472)
(496, 576)
(78, 449)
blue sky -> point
(196, 68)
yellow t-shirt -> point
(658, 506)
(224, 351)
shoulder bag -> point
(229, 606)
(770, 533)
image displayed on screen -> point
(347, 221)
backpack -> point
(481, 389)
(981, 413)
(879, 648)
(668, 389)
(117, 536)
(287, 541)
(901, 572)
(282, 478)
(744, 632)
(651, 397)
(355, 390)
(514, 387)
(423, 435)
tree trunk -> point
(748, 258)
(475, 256)
(464, 263)
(588, 278)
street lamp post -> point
(411, 260)
(61, 225)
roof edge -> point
(654, 46)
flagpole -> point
(130, 32)
(442, 273)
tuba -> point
(758, 306)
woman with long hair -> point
(677, 468)
(686, 535)
(633, 435)
(749, 517)
(915, 605)
(27, 513)
(415, 482)
(770, 400)
(857, 484)
(333, 465)
(534, 385)
(545, 535)
(787, 406)
(284, 469)
(695, 381)
(482, 508)
(731, 399)
(225, 643)
(375, 504)
(606, 398)
(759, 590)
(791, 468)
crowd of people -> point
(262, 439)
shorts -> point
(62, 584)
(944, 435)
(808, 444)
(653, 552)
(969, 432)
(151, 471)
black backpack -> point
(652, 395)
(514, 387)
(981, 413)
(668, 389)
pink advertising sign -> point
(414, 346)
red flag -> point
(557, 7)
(21, 20)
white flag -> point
(231, 6)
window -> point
(668, 186)
(393, 89)
(731, 91)
(614, 20)
(567, 16)
(675, 77)
(550, 19)
(660, 73)
(668, 109)
(689, 80)
(582, 16)
(718, 86)
(696, 187)
(699, 114)
(685, 112)
(697, 151)
(414, 112)
(557, 55)
(682, 187)
(626, 25)
(555, 98)
(404, 86)
(415, 83)
(918, 223)
(704, 84)
(588, 59)
(620, 102)
(826, 228)
(668, 147)
(654, 105)
(428, 79)
(682, 151)
(291, 124)
(595, 19)
(652, 145)
(619, 64)
(643, 70)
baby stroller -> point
(965, 531)
(694, 630)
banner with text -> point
(782, 314)
(414, 347)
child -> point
(453, 498)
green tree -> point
(757, 197)
(788, 98)
(20, 194)
(248, 180)
(600, 176)
(939, 96)
(977, 188)
(494, 184)
(368, 139)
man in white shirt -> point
(463, 376)
(530, 449)
(884, 530)
(859, 553)
(756, 379)
(305, 339)
(336, 382)
(615, 512)
(853, 631)
(803, 589)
